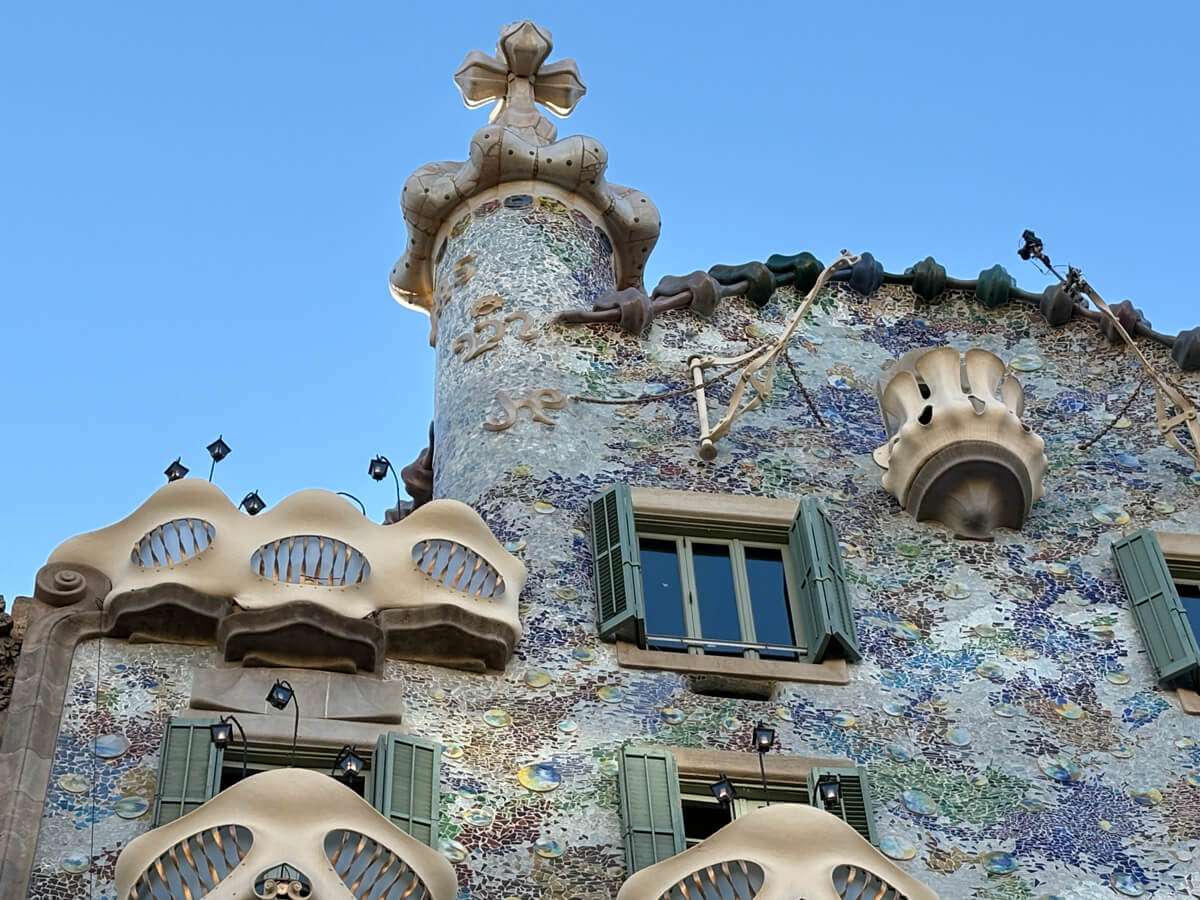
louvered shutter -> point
(616, 567)
(1157, 609)
(406, 783)
(824, 598)
(651, 812)
(189, 769)
(855, 806)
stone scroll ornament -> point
(519, 144)
(535, 401)
(469, 345)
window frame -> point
(1148, 565)
(659, 778)
(694, 641)
(380, 776)
(695, 789)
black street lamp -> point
(175, 470)
(723, 790)
(378, 469)
(764, 740)
(829, 789)
(218, 450)
(348, 763)
(252, 503)
(280, 695)
(221, 733)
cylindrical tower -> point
(498, 245)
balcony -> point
(283, 833)
(309, 582)
(773, 853)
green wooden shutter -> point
(1157, 609)
(824, 598)
(189, 769)
(855, 806)
(617, 567)
(651, 813)
(406, 784)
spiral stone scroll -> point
(64, 583)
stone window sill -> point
(832, 671)
(1189, 700)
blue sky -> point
(200, 201)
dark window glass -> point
(718, 602)
(769, 600)
(702, 819)
(1190, 595)
(664, 593)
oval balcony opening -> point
(172, 543)
(311, 559)
(458, 568)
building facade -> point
(933, 535)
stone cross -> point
(517, 79)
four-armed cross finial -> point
(517, 78)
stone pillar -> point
(524, 229)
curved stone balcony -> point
(957, 451)
(288, 833)
(780, 852)
(309, 581)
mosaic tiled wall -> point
(1017, 744)
(105, 766)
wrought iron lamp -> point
(253, 504)
(764, 740)
(829, 789)
(348, 763)
(725, 793)
(175, 470)
(280, 695)
(221, 733)
(218, 450)
(378, 469)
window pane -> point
(664, 594)
(769, 599)
(718, 602)
(702, 819)
(1190, 595)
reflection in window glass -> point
(664, 593)
(769, 600)
(1190, 595)
(716, 597)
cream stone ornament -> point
(520, 145)
(957, 450)
(781, 852)
(283, 833)
(437, 585)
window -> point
(260, 757)
(703, 816)
(663, 814)
(727, 597)
(401, 778)
(680, 575)
(1165, 599)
